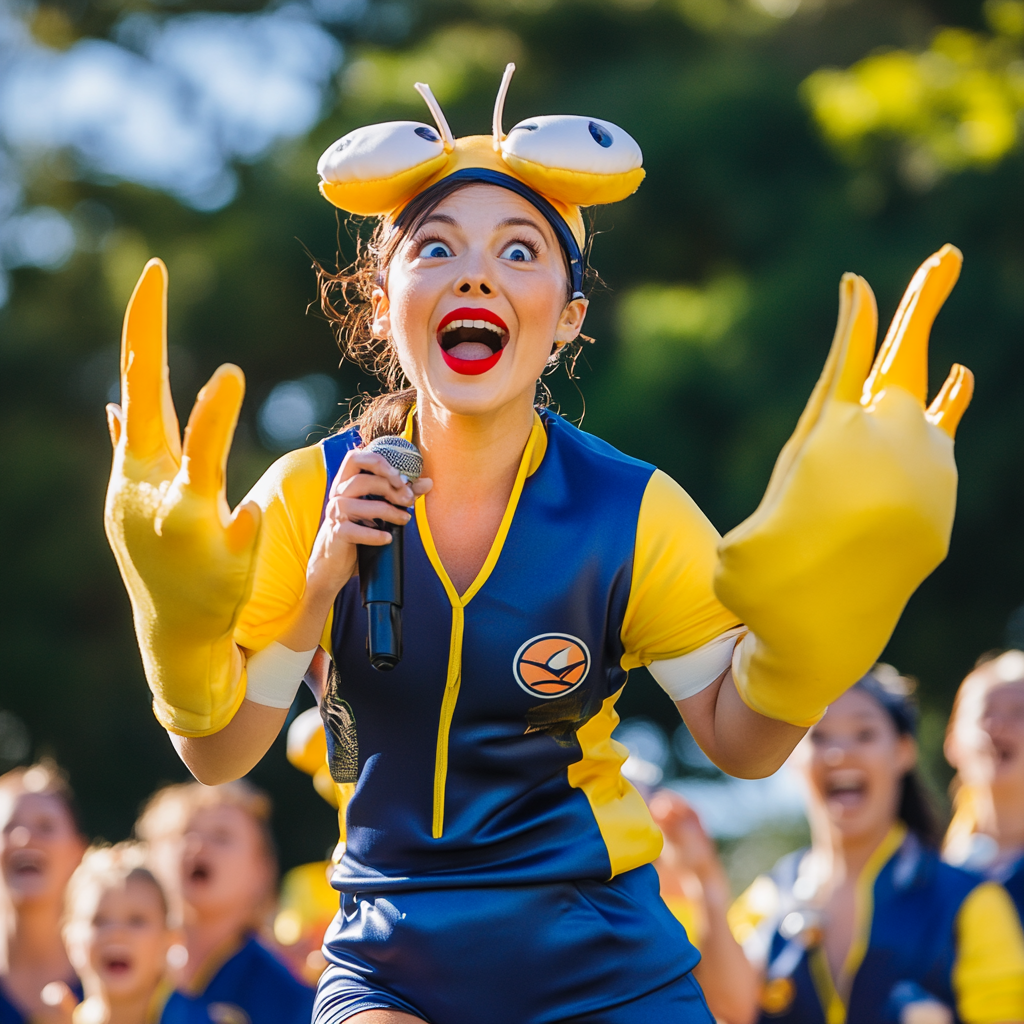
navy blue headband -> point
(553, 217)
(900, 708)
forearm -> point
(738, 740)
(234, 751)
(729, 980)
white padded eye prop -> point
(582, 161)
(438, 115)
(499, 107)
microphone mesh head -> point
(401, 454)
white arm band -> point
(273, 675)
(688, 674)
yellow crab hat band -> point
(559, 163)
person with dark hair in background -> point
(212, 850)
(869, 925)
(985, 744)
(41, 844)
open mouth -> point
(472, 340)
(848, 789)
(117, 965)
(200, 873)
(27, 863)
(1004, 752)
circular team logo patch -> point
(551, 665)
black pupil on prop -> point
(601, 136)
(427, 133)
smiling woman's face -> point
(475, 299)
(854, 761)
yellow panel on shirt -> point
(291, 495)
(672, 607)
(988, 976)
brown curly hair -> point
(345, 299)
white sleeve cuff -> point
(273, 675)
(688, 674)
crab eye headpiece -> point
(558, 163)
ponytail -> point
(917, 810)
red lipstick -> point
(470, 316)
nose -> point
(474, 284)
(833, 756)
(19, 836)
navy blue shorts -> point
(587, 952)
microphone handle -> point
(381, 579)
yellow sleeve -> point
(758, 901)
(291, 495)
(988, 975)
(672, 607)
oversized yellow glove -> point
(858, 510)
(186, 561)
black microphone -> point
(381, 569)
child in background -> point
(118, 937)
(211, 848)
(41, 844)
(985, 743)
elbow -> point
(210, 771)
(750, 768)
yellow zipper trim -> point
(454, 679)
(832, 1002)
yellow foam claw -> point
(857, 513)
(186, 561)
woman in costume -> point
(41, 844)
(985, 743)
(869, 925)
(497, 864)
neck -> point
(99, 1008)
(34, 941)
(1001, 815)
(473, 455)
(206, 935)
(843, 856)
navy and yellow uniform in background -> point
(497, 863)
(10, 1012)
(922, 929)
(251, 986)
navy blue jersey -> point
(252, 987)
(931, 931)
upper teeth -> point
(486, 324)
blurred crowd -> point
(888, 916)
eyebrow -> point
(513, 222)
(442, 218)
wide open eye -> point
(517, 252)
(576, 160)
(372, 169)
(434, 250)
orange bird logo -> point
(551, 665)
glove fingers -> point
(903, 358)
(860, 349)
(115, 422)
(210, 430)
(150, 422)
(243, 528)
(952, 400)
(852, 347)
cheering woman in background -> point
(497, 864)
(868, 925)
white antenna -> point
(499, 107)
(439, 119)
